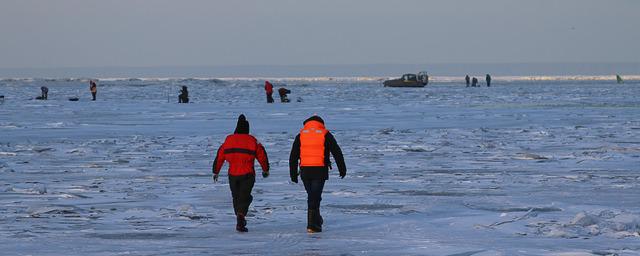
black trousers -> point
(94, 95)
(314, 189)
(269, 98)
(241, 187)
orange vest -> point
(312, 144)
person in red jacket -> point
(311, 150)
(268, 88)
(241, 150)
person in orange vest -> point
(93, 87)
(241, 150)
(268, 88)
(312, 147)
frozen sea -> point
(540, 167)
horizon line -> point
(330, 65)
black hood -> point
(243, 125)
(313, 118)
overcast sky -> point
(88, 33)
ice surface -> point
(526, 167)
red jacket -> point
(268, 87)
(241, 150)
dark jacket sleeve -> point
(294, 157)
(219, 160)
(262, 157)
(337, 153)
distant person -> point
(312, 147)
(93, 87)
(268, 88)
(488, 79)
(619, 79)
(283, 94)
(1, 99)
(241, 150)
(467, 79)
(184, 95)
(474, 82)
(44, 93)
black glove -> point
(342, 174)
(215, 177)
(293, 173)
(265, 174)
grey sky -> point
(88, 33)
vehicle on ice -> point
(409, 80)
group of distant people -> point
(268, 88)
(282, 92)
(183, 97)
(93, 88)
(473, 82)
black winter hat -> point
(243, 125)
(313, 118)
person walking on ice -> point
(310, 151)
(241, 150)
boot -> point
(241, 223)
(313, 225)
(320, 219)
